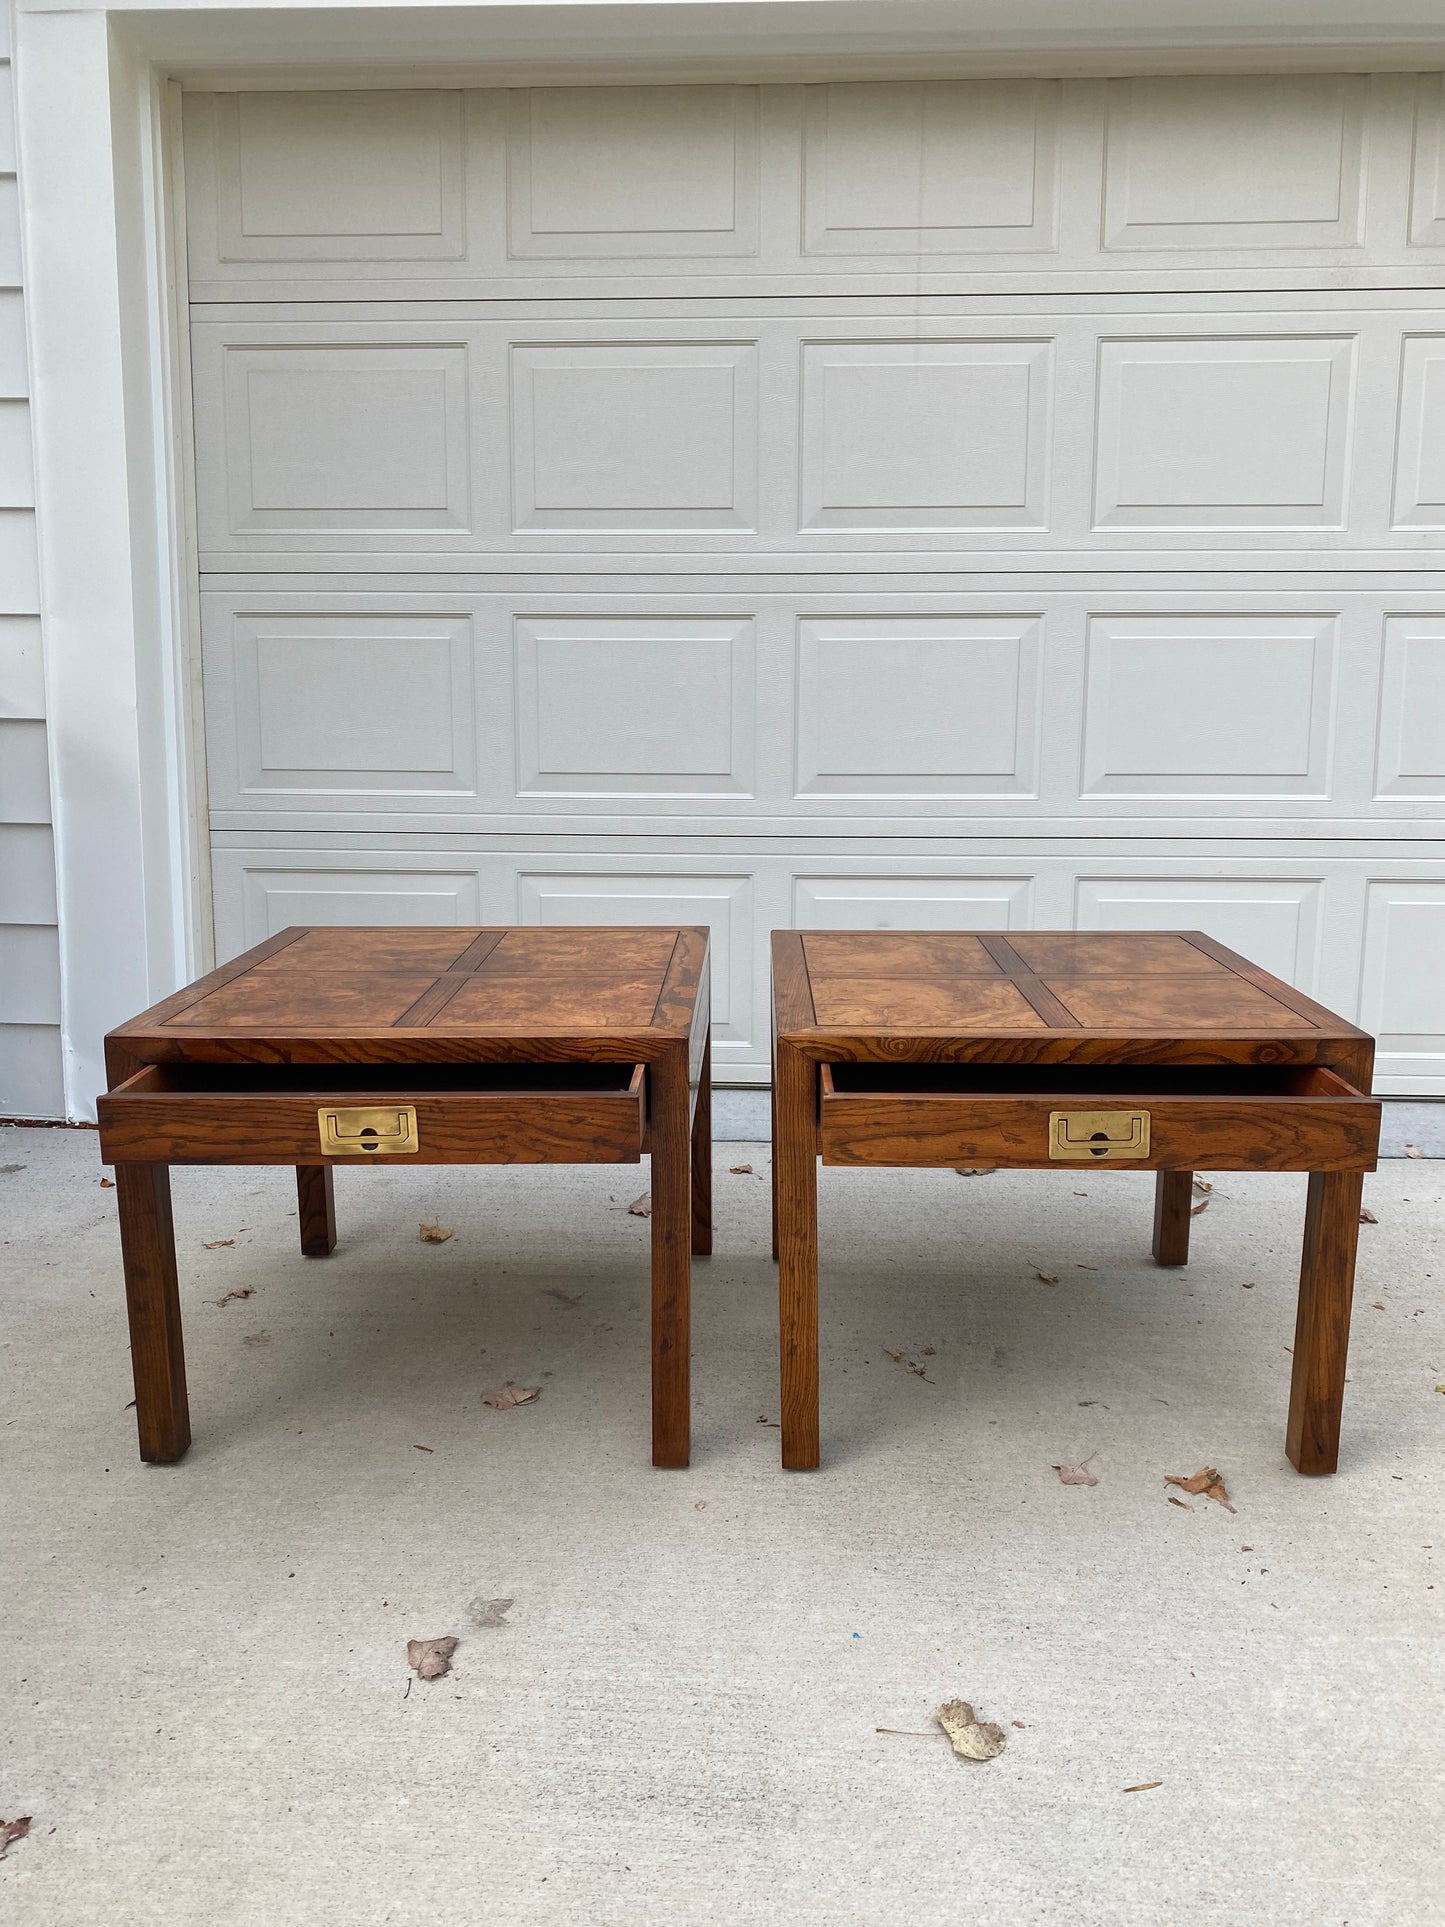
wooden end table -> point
(396, 1046)
(1148, 1051)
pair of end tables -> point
(1149, 1051)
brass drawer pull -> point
(1098, 1135)
(355, 1129)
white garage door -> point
(937, 504)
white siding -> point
(30, 1072)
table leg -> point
(316, 1208)
(152, 1296)
(1172, 1192)
(795, 1162)
(671, 1264)
(702, 1163)
(1322, 1326)
(773, 1154)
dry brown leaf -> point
(1195, 1209)
(241, 1291)
(434, 1234)
(1077, 1474)
(106, 1184)
(1205, 1480)
(641, 1207)
(972, 1739)
(1182, 1504)
(1144, 1786)
(741, 1170)
(1203, 1185)
(1367, 1216)
(218, 1244)
(12, 1830)
(430, 1658)
(1413, 1151)
(1047, 1277)
(1377, 1306)
(508, 1395)
(975, 1170)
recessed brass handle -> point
(356, 1130)
(1098, 1136)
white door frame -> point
(105, 302)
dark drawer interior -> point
(323, 1081)
(1083, 1080)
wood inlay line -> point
(1033, 989)
(478, 950)
(433, 1000)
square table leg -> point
(671, 1260)
(152, 1296)
(702, 1163)
(1172, 1191)
(316, 1209)
(795, 1161)
(1322, 1326)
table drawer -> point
(474, 1114)
(1213, 1119)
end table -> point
(417, 1046)
(1156, 1051)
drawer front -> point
(1066, 1132)
(142, 1122)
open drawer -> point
(1184, 1117)
(351, 1114)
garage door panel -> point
(1235, 161)
(1069, 428)
(717, 187)
(733, 700)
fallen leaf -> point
(1203, 1184)
(1207, 1481)
(423, 1448)
(508, 1395)
(1413, 1151)
(641, 1207)
(1367, 1216)
(1019, 1723)
(241, 1291)
(11, 1830)
(430, 1658)
(1047, 1277)
(218, 1244)
(106, 1184)
(1440, 1388)
(1144, 1786)
(1195, 1209)
(434, 1234)
(701, 1506)
(741, 1170)
(930, 1351)
(972, 1739)
(1076, 1474)
(1182, 1504)
(488, 1615)
(975, 1170)
(1377, 1306)
(1248, 1287)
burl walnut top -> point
(879, 989)
(418, 993)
